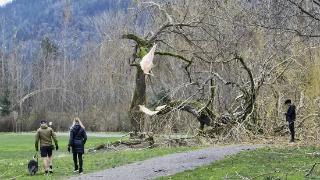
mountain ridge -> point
(28, 22)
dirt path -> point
(166, 165)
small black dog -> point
(33, 165)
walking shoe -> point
(80, 171)
(46, 172)
(76, 168)
(50, 169)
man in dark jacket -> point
(291, 117)
(78, 138)
(45, 135)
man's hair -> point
(43, 122)
(288, 101)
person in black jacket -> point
(77, 140)
(291, 117)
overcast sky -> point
(4, 2)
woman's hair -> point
(77, 120)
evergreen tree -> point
(5, 103)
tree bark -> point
(139, 98)
(200, 111)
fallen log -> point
(201, 112)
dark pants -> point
(291, 128)
(77, 156)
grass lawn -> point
(16, 150)
(266, 164)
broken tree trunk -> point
(139, 97)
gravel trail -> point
(166, 165)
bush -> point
(7, 124)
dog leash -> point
(36, 157)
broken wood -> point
(201, 112)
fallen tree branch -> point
(198, 110)
(312, 168)
(307, 117)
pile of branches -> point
(143, 140)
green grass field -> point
(291, 163)
(264, 164)
(16, 150)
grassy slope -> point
(287, 163)
(17, 150)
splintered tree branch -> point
(202, 113)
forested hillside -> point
(39, 35)
(228, 64)
(31, 20)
